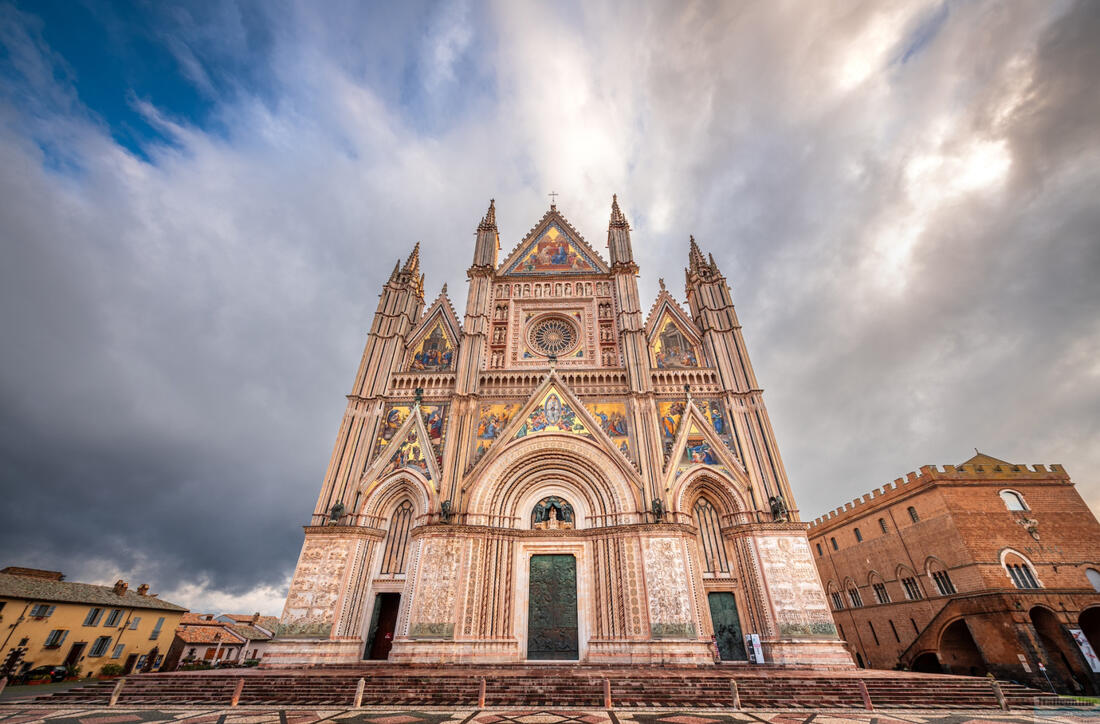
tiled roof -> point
(209, 635)
(252, 633)
(200, 619)
(47, 591)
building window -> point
(100, 646)
(134, 622)
(820, 554)
(41, 610)
(882, 524)
(859, 536)
(943, 582)
(397, 539)
(118, 651)
(1094, 578)
(113, 617)
(895, 631)
(1013, 500)
(838, 602)
(140, 662)
(912, 590)
(853, 595)
(835, 546)
(92, 619)
(156, 629)
(881, 594)
(913, 514)
(55, 638)
(1021, 575)
(710, 537)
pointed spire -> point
(489, 221)
(412, 265)
(618, 236)
(617, 218)
(396, 269)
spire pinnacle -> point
(443, 291)
(413, 262)
(489, 221)
(617, 218)
(661, 281)
(695, 256)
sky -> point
(200, 201)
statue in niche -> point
(658, 509)
(446, 511)
(336, 513)
(552, 513)
(779, 508)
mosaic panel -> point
(435, 353)
(672, 349)
(554, 252)
(553, 414)
(613, 420)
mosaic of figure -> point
(613, 421)
(391, 423)
(672, 348)
(552, 415)
(435, 418)
(671, 414)
(410, 456)
(553, 252)
(492, 420)
(435, 352)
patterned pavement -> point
(30, 714)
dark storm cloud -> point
(902, 197)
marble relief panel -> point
(793, 586)
(311, 602)
(435, 594)
(666, 575)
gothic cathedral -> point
(557, 476)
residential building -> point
(59, 622)
(983, 567)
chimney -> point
(143, 589)
(120, 587)
(255, 618)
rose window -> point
(553, 336)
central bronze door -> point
(552, 608)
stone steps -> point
(561, 687)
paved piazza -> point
(266, 715)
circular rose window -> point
(553, 336)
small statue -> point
(419, 392)
(779, 508)
(446, 511)
(566, 513)
(658, 509)
(336, 512)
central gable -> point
(553, 247)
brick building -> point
(981, 567)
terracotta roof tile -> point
(45, 590)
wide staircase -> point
(560, 687)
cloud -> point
(902, 199)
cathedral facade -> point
(561, 474)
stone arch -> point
(1062, 658)
(383, 497)
(958, 650)
(1011, 558)
(938, 575)
(725, 493)
(551, 464)
(1089, 621)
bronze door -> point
(727, 626)
(552, 608)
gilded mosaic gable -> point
(698, 451)
(435, 351)
(554, 251)
(553, 414)
(672, 348)
(408, 455)
(392, 420)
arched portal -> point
(1089, 621)
(1060, 654)
(927, 663)
(959, 653)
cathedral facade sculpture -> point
(541, 455)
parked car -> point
(55, 673)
